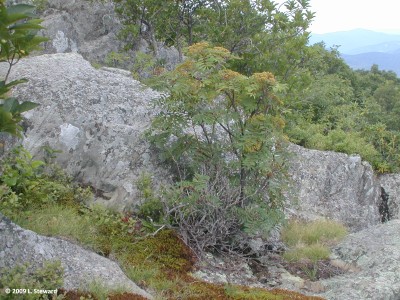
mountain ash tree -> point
(221, 133)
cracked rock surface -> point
(333, 185)
(96, 117)
(374, 252)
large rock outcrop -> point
(81, 267)
(335, 186)
(97, 118)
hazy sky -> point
(338, 15)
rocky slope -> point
(375, 257)
(97, 117)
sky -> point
(341, 15)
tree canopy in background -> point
(327, 105)
(259, 30)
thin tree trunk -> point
(242, 184)
(153, 43)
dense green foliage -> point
(27, 183)
(18, 29)
(326, 105)
(269, 37)
(347, 111)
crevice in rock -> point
(384, 211)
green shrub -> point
(220, 132)
(144, 65)
(95, 64)
(113, 230)
(151, 209)
(28, 183)
(47, 277)
(116, 59)
(16, 42)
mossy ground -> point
(159, 263)
(79, 295)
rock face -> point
(391, 188)
(81, 267)
(96, 117)
(90, 28)
(375, 251)
(333, 185)
(87, 27)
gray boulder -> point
(333, 185)
(375, 253)
(81, 267)
(91, 29)
(97, 118)
(87, 27)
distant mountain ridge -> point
(385, 61)
(350, 41)
(362, 48)
(387, 47)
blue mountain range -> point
(362, 48)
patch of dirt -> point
(322, 269)
(306, 270)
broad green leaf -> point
(26, 105)
(10, 105)
(37, 163)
